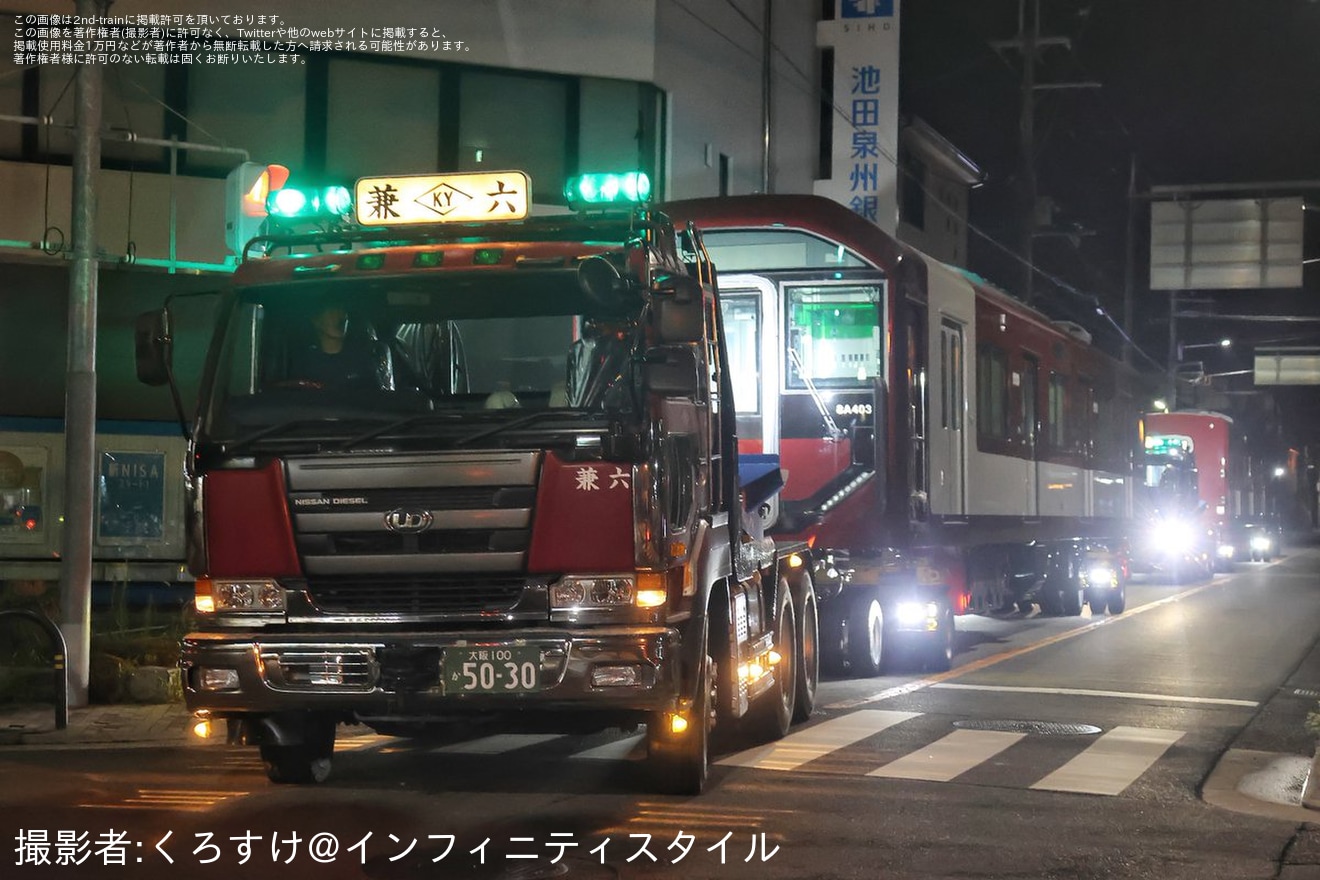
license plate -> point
(513, 670)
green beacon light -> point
(299, 203)
(588, 190)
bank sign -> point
(863, 174)
(867, 9)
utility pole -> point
(80, 390)
(1029, 42)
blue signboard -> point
(867, 9)
(132, 496)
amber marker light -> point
(203, 601)
(677, 724)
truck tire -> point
(1117, 600)
(1072, 598)
(305, 763)
(772, 715)
(866, 638)
(939, 656)
(833, 653)
(680, 763)
(808, 658)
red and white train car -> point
(951, 447)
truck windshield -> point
(353, 354)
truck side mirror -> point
(671, 372)
(153, 347)
(604, 287)
(680, 315)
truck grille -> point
(407, 529)
(414, 595)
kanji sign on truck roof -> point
(442, 198)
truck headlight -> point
(1174, 536)
(595, 591)
(1260, 542)
(213, 596)
(917, 614)
(1100, 576)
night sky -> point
(1200, 91)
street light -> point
(1224, 343)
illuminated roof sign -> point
(442, 198)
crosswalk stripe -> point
(499, 743)
(630, 749)
(949, 757)
(806, 745)
(1111, 763)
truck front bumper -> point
(628, 670)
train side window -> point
(1058, 412)
(992, 392)
(1030, 423)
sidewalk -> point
(118, 724)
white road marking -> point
(1082, 692)
(1111, 763)
(806, 745)
(499, 743)
(993, 659)
(949, 757)
(631, 749)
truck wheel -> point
(866, 638)
(808, 659)
(1117, 600)
(773, 714)
(1072, 598)
(833, 656)
(940, 655)
(305, 763)
(680, 762)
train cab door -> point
(949, 445)
(1031, 432)
(749, 306)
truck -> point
(1196, 482)
(529, 510)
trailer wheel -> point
(1072, 598)
(808, 659)
(306, 763)
(866, 638)
(680, 762)
(772, 716)
(1117, 600)
(940, 655)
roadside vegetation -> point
(126, 635)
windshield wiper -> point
(269, 431)
(399, 425)
(535, 416)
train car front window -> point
(834, 336)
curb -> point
(1311, 791)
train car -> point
(951, 448)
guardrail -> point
(57, 660)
